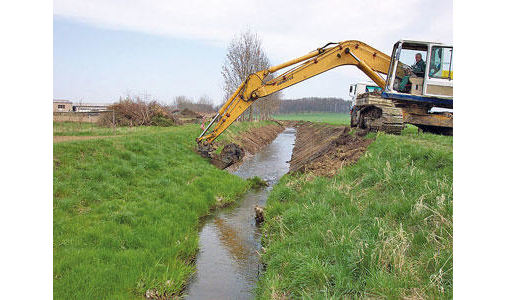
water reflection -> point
(228, 263)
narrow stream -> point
(228, 262)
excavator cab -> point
(405, 81)
(428, 85)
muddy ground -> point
(319, 149)
(323, 149)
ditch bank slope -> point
(320, 149)
(323, 149)
(246, 144)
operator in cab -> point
(416, 70)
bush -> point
(162, 121)
(129, 112)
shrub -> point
(129, 112)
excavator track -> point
(381, 118)
(378, 114)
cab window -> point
(441, 63)
(370, 89)
(407, 61)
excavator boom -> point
(368, 59)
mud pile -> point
(323, 149)
(230, 155)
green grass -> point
(126, 210)
(126, 213)
(381, 228)
(330, 118)
(89, 129)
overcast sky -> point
(103, 49)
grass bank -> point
(126, 210)
(382, 228)
(90, 129)
(330, 118)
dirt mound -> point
(324, 149)
(230, 154)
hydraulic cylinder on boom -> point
(388, 111)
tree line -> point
(203, 105)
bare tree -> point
(204, 104)
(269, 105)
(244, 57)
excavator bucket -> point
(230, 154)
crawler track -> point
(382, 118)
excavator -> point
(407, 96)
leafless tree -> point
(244, 57)
(204, 104)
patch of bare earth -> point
(57, 139)
(323, 149)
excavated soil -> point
(320, 149)
(246, 145)
(323, 149)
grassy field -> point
(382, 228)
(126, 210)
(89, 129)
(126, 214)
(330, 118)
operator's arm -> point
(366, 58)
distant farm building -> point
(62, 105)
(90, 107)
(66, 111)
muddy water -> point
(228, 261)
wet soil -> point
(320, 149)
(323, 149)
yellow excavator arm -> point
(366, 58)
